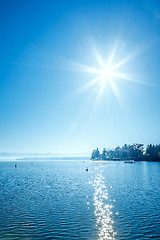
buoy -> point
(15, 165)
(87, 169)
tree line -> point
(135, 152)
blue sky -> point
(51, 54)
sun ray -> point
(88, 85)
(128, 58)
(112, 55)
(79, 67)
(100, 60)
(60, 63)
(96, 53)
(132, 78)
(117, 95)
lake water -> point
(61, 200)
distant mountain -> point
(29, 155)
(8, 154)
(53, 158)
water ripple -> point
(61, 200)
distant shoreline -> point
(53, 158)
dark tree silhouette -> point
(135, 152)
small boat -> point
(129, 161)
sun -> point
(107, 71)
(107, 74)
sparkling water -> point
(61, 200)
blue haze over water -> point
(61, 200)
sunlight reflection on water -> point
(61, 200)
(102, 208)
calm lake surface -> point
(61, 200)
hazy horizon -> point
(44, 154)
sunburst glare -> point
(107, 72)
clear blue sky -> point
(50, 53)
